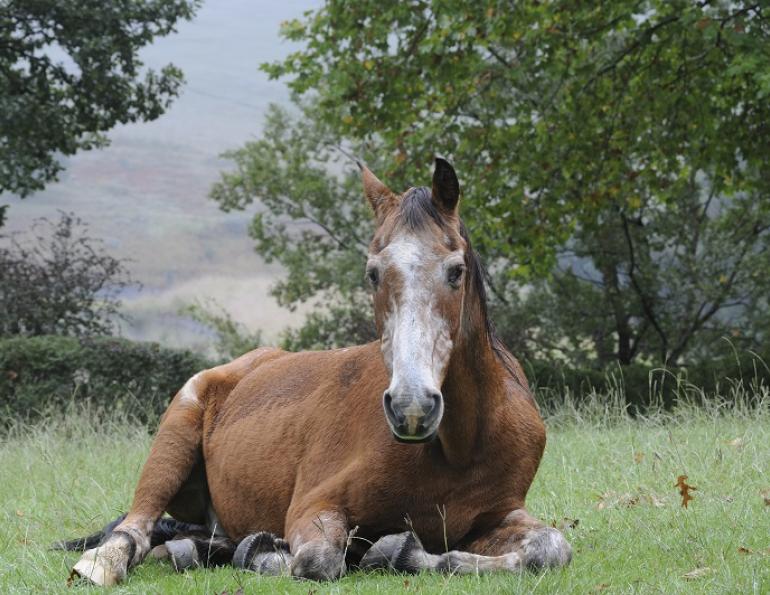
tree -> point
(233, 339)
(69, 72)
(613, 156)
(59, 281)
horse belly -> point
(250, 475)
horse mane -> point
(417, 209)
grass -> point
(611, 476)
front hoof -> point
(100, 566)
(263, 553)
(318, 561)
(397, 552)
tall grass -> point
(606, 473)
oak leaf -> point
(684, 489)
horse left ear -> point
(446, 188)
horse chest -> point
(440, 505)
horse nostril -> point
(435, 403)
(387, 401)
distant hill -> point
(146, 194)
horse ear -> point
(378, 194)
(446, 188)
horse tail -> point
(165, 530)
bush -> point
(40, 373)
(643, 385)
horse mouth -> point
(416, 439)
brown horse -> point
(296, 444)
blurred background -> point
(177, 182)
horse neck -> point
(471, 389)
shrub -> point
(643, 384)
(40, 373)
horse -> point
(414, 452)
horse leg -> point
(519, 542)
(175, 450)
(315, 548)
(318, 542)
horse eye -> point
(454, 274)
(373, 276)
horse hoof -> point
(263, 553)
(183, 554)
(103, 566)
(392, 552)
(318, 561)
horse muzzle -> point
(413, 419)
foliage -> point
(613, 158)
(233, 339)
(69, 72)
(59, 281)
(315, 223)
(46, 373)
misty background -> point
(146, 195)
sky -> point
(146, 195)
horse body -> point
(296, 444)
(303, 429)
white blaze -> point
(416, 340)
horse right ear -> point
(378, 194)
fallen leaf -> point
(12, 375)
(600, 587)
(20, 513)
(697, 573)
(766, 496)
(684, 489)
(566, 523)
(744, 550)
(735, 442)
(638, 457)
(406, 584)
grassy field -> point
(608, 477)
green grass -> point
(614, 475)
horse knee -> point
(545, 547)
(318, 560)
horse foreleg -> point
(315, 549)
(173, 454)
(519, 542)
(318, 542)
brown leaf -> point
(406, 584)
(697, 573)
(744, 550)
(12, 375)
(19, 513)
(684, 489)
(735, 442)
(567, 523)
(766, 496)
(600, 587)
(638, 457)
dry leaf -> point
(766, 496)
(638, 457)
(12, 375)
(744, 550)
(566, 523)
(406, 584)
(697, 573)
(600, 587)
(19, 513)
(684, 489)
(735, 442)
